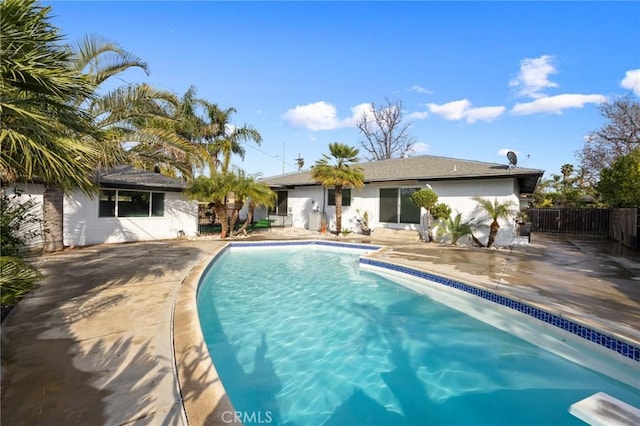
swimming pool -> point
(302, 335)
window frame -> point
(156, 204)
(331, 196)
(398, 215)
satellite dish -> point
(513, 159)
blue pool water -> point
(301, 336)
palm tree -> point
(37, 92)
(98, 60)
(454, 228)
(209, 128)
(44, 135)
(139, 128)
(338, 171)
(257, 193)
(213, 189)
(133, 124)
(496, 211)
(228, 138)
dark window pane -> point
(157, 204)
(107, 203)
(282, 203)
(346, 197)
(409, 212)
(133, 204)
(389, 205)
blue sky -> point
(476, 79)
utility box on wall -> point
(315, 220)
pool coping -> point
(205, 400)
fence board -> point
(625, 226)
(569, 221)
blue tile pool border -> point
(354, 246)
(623, 348)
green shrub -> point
(454, 228)
(17, 278)
(17, 226)
(441, 211)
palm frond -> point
(101, 58)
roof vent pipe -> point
(455, 168)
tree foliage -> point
(245, 188)
(43, 132)
(209, 128)
(213, 189)
(385, 134)
(453, 228)
(618, 137)
(441, 211)
(338, 170)
(620, 183)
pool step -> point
(601, 409)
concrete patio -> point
(99, 342)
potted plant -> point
(523, 228)
(323, 224)
(363, 221)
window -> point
(280, 208)
(346, 197)
(118, 203)
(396, 206)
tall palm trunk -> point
(249, 219)
(221, 212)
(237, 206)
(338, 196)
(52, 214)
(493, 231)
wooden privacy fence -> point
(570, 221)
(625, 226)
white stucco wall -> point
(457, 194)
(82, 226)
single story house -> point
(388, 186)
(132, 205)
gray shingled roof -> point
(423, 168)
(130, 177)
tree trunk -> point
(221, 213)
(338, 197)
(52, 214)
(476, 241)
(237, 206)
(429, 232)
(492, 233)
(247, 222)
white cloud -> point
(324, 116)
(452, 110)
(418, 115)
(534, 76)
(631, 81)
(418, 148)
(356, 114)
(555, 104)
(484, 113)
(462, 109)
(315, 116)
(419, 89)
